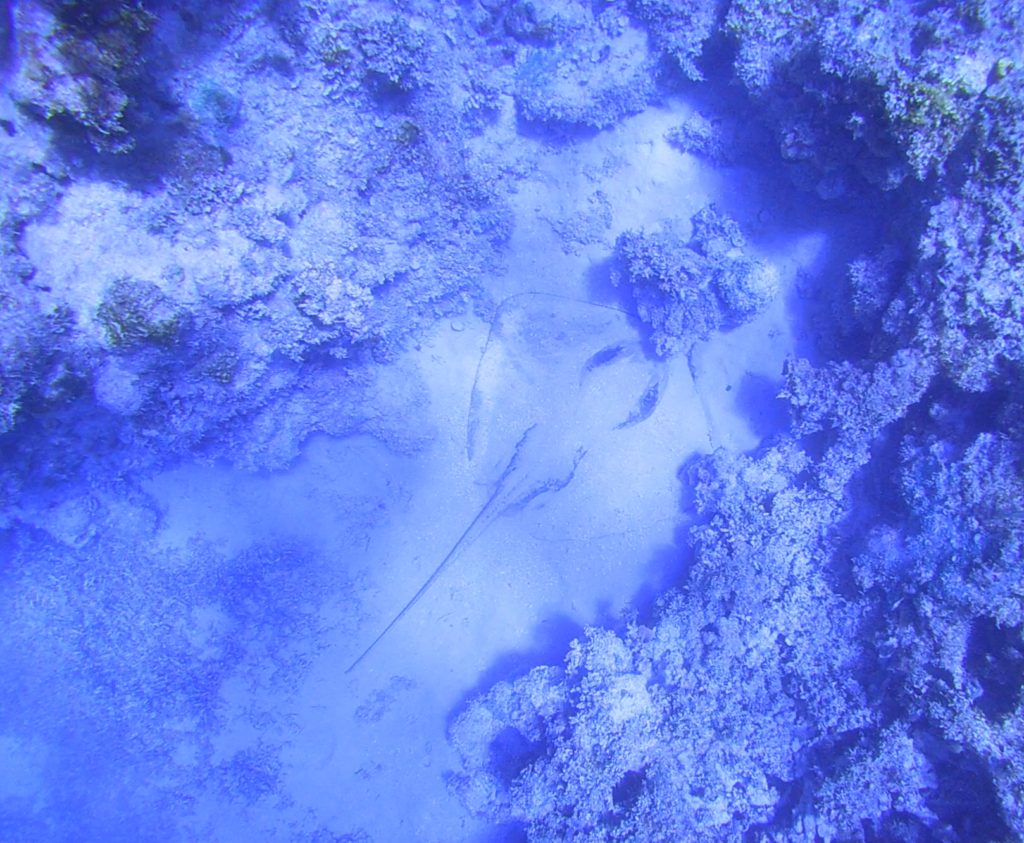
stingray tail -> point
(555, 484)
(486, 511)
(425, 587)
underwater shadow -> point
(667, 568)
(664, 569)
(510, 832)
(602, 291)
(757, 397)
(553, 133)
(551, 639)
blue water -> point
(511, 421)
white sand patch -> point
(376, 736)
(578, 198)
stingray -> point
(556, 378)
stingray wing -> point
(559, 364)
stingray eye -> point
(602, 358)
(645, 406)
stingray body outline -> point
(603, 357)
(517, 486)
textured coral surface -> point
(511, 420)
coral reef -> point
(222, 225)
(687, 289)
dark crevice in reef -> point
(965, 798)
(995, 659)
